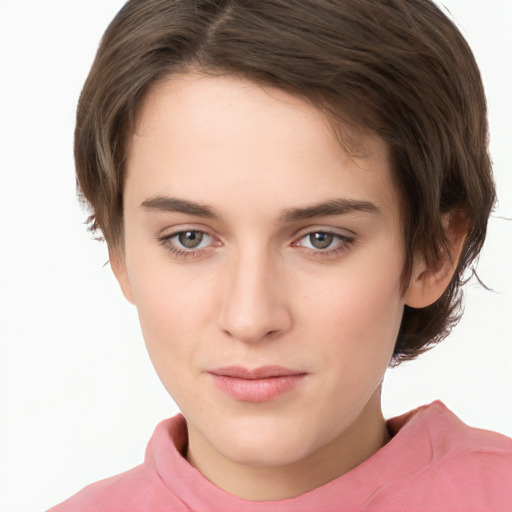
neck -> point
(365, 436)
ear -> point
(118, 265)
(427, 284)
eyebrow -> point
(328, 208)
(323, 209)
(172, 204)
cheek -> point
(360, 327)
(174, 308)
(169, 325)
(361, 312)
(166, 294)
(378, 304)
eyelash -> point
(344, 243)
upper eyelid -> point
(186, 230)
(343, 232)
(169, 232)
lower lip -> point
(257, 390)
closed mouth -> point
(261, 372)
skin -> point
(257, 291)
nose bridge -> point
(254, 303)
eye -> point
(319, 240)
(191, 239)
(187, 242)
(324, 242)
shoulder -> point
(447, 434)
(451, 438)
(140, 489)
(126, 491)
(467, 468)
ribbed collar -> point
(409, 450)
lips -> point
(256, 385)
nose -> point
(254, 299)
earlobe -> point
(118, 265)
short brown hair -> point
(399, 68)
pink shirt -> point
(434, 462)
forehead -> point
(203, 98)
(197, 136)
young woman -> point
(291, 193)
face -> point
(265, 265)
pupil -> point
(190, 239)
(321, 240)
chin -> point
(270, 454)
(263, 444)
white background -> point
(79, 398)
